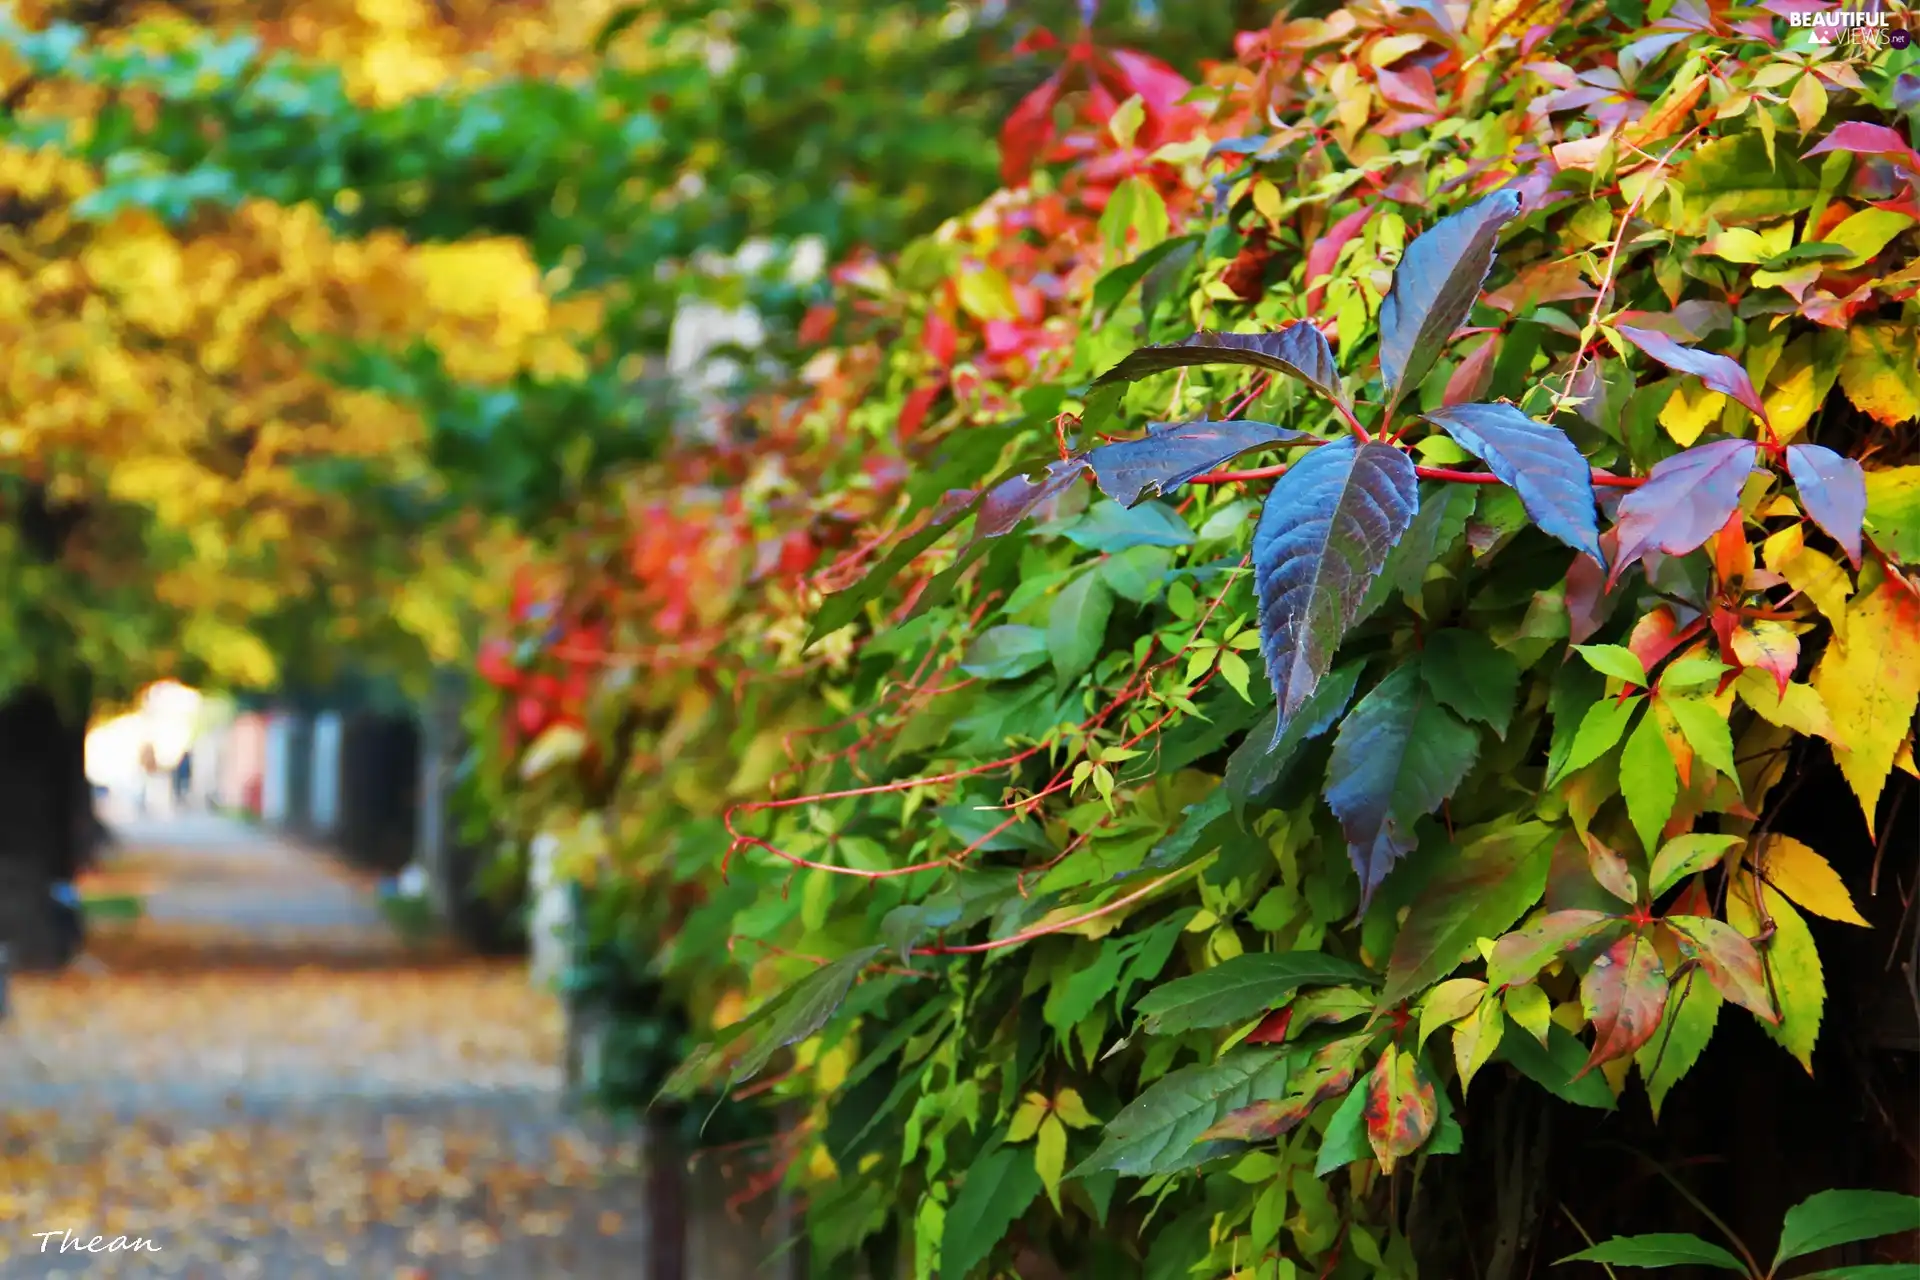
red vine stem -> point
(1601, 479)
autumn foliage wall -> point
(1111, 854)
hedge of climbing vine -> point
(1288, 627)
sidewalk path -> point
(263, 1081)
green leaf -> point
(1648, 780)
(1263, 758)
(1600, 728)
(1077, 626)
(1138, 573)
(1470, 675)
(1156, 1132)
(1479, 894)
(1557, 1068)
(788, 1018)
(1686, 855)
(1299, 351)
(1002, 653)
(1662, 1250)
(1706, 731)
(1346, 1137)
(1792, 965)
(1616, 661)
(995, 1195)
(1172, 453)
(1399, 754)
(1685, 1028)
(1242, 988)
(1732, 181)
(1869, 1271)
(1830, 1218)
(1893, 510)
(1538, 462)
(1112, 288)
(1111, 527)
(1518, 956)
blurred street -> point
(262, 1079)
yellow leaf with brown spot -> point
(1808, 879)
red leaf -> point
(1400, 1109)
(1412, 89)
(914, 411)
(1625, 990)
(1866, 139)
(1833, 490)
(1470, 378)
(1728, 959)
(1684, 501)
(938, 339)
(1272, 1028)
(1321, 257)
(1655, 636)
(1028, 130)
(1719, 372)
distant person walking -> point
(149, 767)
(182, 780)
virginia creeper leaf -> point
(1478, 894)
(1156, 1132)
(1299, 351)
(1434, 286)
(1610, 870)
(1077, 625)
(1870, 683)
(1649, 780)
(1706, 731)
(1538, 462)
(1325, 532)
(1625, 993)
(1557, 1068)
(1242, 988)
(1685, 501)
(1399, 754)
(1258, 763)
(1519, 956)
(1893, 510)
(1600, 728)
(1346, 1137)
(1829, 1218)
(1833, 490)
(1172, 453)
(1728, 959)
(1615, 660)
(1400, 1108)
(1687, 855)
(1467, 673)
(1807, 879)
(1476, 1039)
(1664, 1060)
(1327, 1074)
(1663, 1249)
(996, 1193)
(1014, 499)
(1449, 1002)
(1791, 961)
(1001, 653)
(1721, 373)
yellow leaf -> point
(1792, 965)
(1819, 577)
(1903, 758)
(1685, 419)
(1799, 708)
(1475, 1039)
(1866, 233)
(1871, 684)
(1449, 1002)
(1800, 381)
(1033, 1109)
(1528, 1005)
(1879, 373)
(1808, 102)
(1050, 1156)
(985, 294)
(1386, 52)
(1072, 1111)
(1808, 879)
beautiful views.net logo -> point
(1864, 25)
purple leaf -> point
(1833, 490)
(1398, 755)
(1684, 502)
(1299, 351)
(1538, 462)
(1719, 372)
(1323, 536)
(1011, 501)
(1172, 453)
(1434, 287)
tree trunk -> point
(49, 826)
